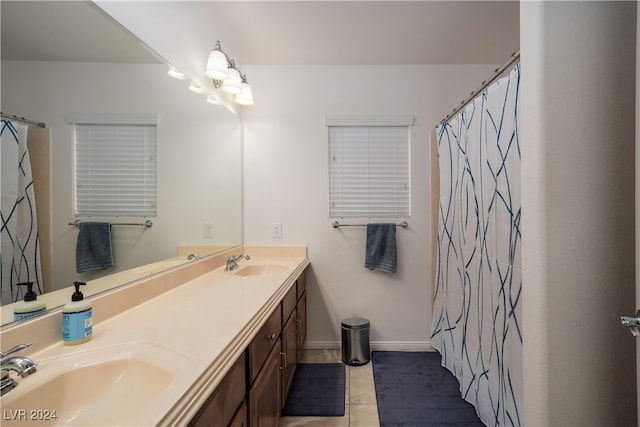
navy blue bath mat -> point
(317, 390)
(413, 389)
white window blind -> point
(369, 168)
(115, 167)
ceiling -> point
(281, 32)
(65, 31)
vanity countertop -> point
(192, 334)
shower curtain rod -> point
(498, 72)
(23, 120)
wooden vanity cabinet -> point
(254, 391)
(301, 313)
(301, 324)
(264, 366)
(222, 408)
(289, 343)
(301, 283)
(264, 394)
(289, 304)
(263, 342)
(240, 420)
(289, 354)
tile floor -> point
(361, 409)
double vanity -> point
(195, 345)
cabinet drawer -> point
(219, 409)
(289, 304)
(263, 342)
(302, 283)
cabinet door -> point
(223, 402)
(301, 323)
(264, 396)
(240, 420)
(301, 283)
(289, 351)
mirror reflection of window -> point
(115, 165)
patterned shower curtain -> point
(20, 253)
(477, 316)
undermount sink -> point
(112, 389)
(260, 269)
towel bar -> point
(148, 223)
(336, 224)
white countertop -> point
(195, 331)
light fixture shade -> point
(176, 74)
(212, 101)
(217, 67)
(233, 84)
(196, 89)
(246, 96)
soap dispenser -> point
(30, 306)
(77, 318)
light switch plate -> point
(276, 230)
(207, 230)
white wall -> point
(578, 62)
(285, 181)
(198, 155)
(178, 33)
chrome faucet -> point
(232, 261)
(23, 366)
(193, 256)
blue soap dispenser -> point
(77, 318)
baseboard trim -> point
(375, 345)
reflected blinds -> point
(115, 169)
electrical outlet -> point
(276, 230)
(208, 230)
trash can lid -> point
(355, 322)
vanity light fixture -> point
(196, 89)
(217, 64)
(176, 74)
(223, 72)
(246, 96)
(233, 84)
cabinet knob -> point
(272, 336)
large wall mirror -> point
(68, 57)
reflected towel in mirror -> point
(93, 248)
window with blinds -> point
(369, 167)
(115, 165)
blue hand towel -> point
(381, 252)
(93, 248)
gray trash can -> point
(355, 341)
